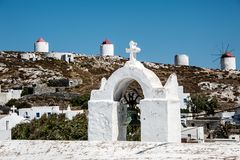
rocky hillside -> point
(88, 71)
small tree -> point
(25, 91)
(211, 106)
(201, 102)
(223, 130)
(81, 101)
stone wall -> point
(43, 88)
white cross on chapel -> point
(13, 108)
(133, 50)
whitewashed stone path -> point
(49, 150)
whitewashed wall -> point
(5, 135)
(65, 56)
(196, 133)
(183, 97)
(31, 113)
(7, 123)
(10, 94)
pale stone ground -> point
(35, 150)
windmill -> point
(222, 51)
(228, 61)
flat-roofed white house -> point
(65, 56)
(193, 133)
(226, 117)
(235, 137)
(37, 111)
(31, 56)
(10, 94)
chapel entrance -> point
(131, 98)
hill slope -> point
(89, 70)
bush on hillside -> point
(201, 102)
(17, 104)
(81, 101)
(53, 127)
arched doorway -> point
(160, 108)
(131, 99)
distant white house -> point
(235, 137)
(7, 122)
(193, 133)
(65, 56)
(184, 97)
(37, 111)
(226, 117)
(30, 56)
(10, 94)
(185, 117)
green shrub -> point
(184, 110)
(25, 91)
(81, 101)
(53, 127)
(18, 104)
(201, 102)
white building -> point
(185, 117)
(10, 94)
(107, 48)
(226, 117)
(184, 97)
(30, 56)
(8, 122)
(64, 56)
(228, 61)
(70, 114)
(181, 59)
(41, 46)
(193, 133)
(235, 137)
(37, 111)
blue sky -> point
(162, 28)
